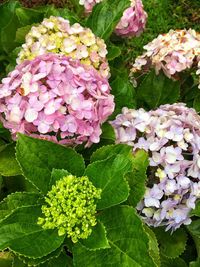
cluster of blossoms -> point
(55, 35)
(71, 207)
(171, 136)
(132, 22)
(173, 52)
(57, 97)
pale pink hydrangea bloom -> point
(56, 98)
(173, 52)
(171, 136)
(132, 22)
(56, 35)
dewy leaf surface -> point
(109, 176)
(20, 232)
(127, 238)
(38, 157)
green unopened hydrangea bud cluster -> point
(71, 207)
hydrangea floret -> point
(173, 52)
(71, 207)
(132, 22)
(171, 136)
(56, 98)
(56, 35)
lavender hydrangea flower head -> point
(56, 35)
(171, 136)
(57, 98)
(132, 22)
(173, 52)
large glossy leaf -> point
(194, 229)
(128, 242)
(8, 164)
(155, 90)
(137, 177)
(178, 262)
(37, 158)
(109, 176)
(8, 23)
(153, 246)
(196, 211)
(97, 239)
(105, 17)
(110, 150)
(21, 233)
(124, 93)
(16, 200)
(172, 245)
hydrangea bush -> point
(99, 159)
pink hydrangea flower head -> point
(56, 98)
(132, 22)
(173, 52)
(171, 137)
(56, 35)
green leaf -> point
(57, 175)
(172, 245)
(196, 103)
(18, 263)
(155, 90)
(105, 17)
(194, 229)
(113, 52)
(28, 16)
(21, 34)
(196, 211)
(6, 259)
(98, 239)
(137, 177)
(21, 233)
(109, 176)
(127, 239)
(110, 150)
(8, 21)
(7, 40)
(38, 157)
(42, 260)
(195, 263)
(16, 200)
(108, 132)
(178, 262)
(153, 246)
(61, 261)
(8, 164)
(124, 94)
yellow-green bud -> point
(71, 207)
